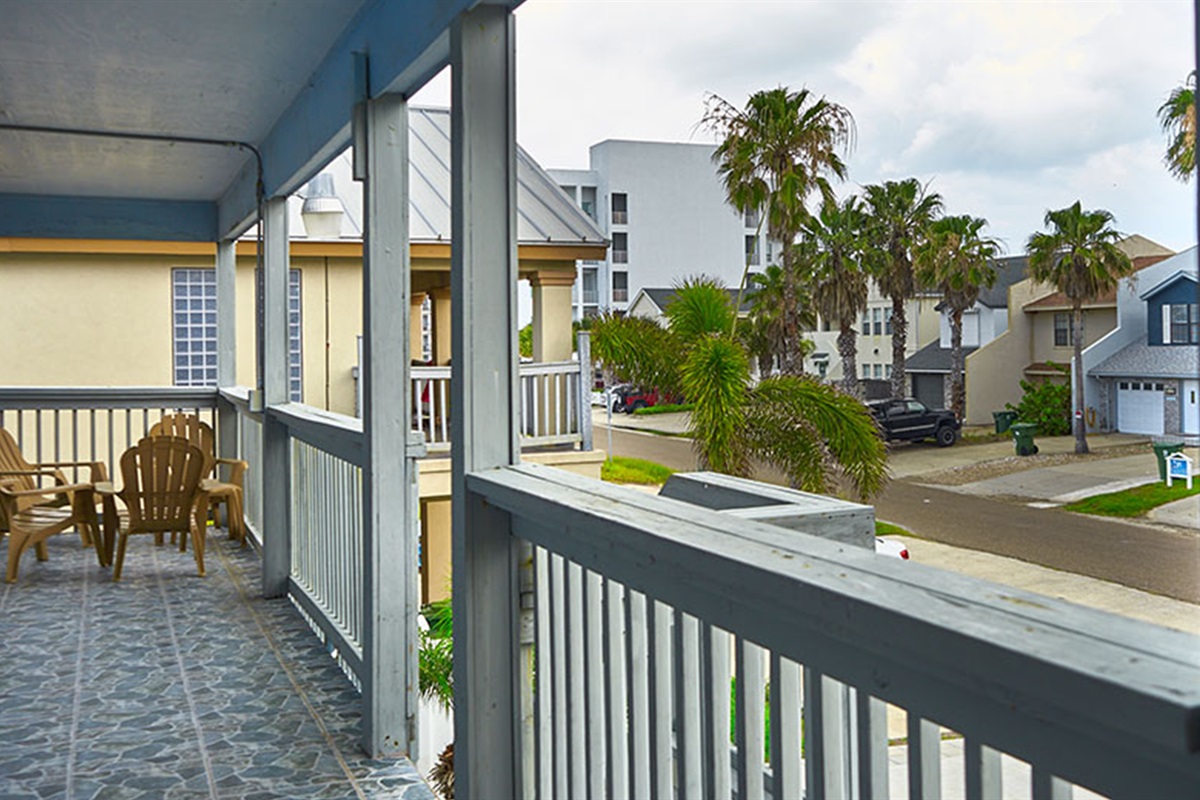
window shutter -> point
(1166, 323)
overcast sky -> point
(1008, 108)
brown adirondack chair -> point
(32, 524)
(161, 493)
(42, 485)
(199, 433)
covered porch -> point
(598, 631)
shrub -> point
(1047, 405)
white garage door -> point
(1140, 407)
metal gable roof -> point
(223, 83)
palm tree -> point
(900, 214)
(1080, 257)
(957, 260)
(817, 435)
(1178, 119)
(772, 156)
(840, 283)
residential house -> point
(652, 302)
(1017, 329)
(1144, 375)
(663, 207)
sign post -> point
(1179, 466)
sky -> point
(1007, 109)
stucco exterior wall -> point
(995, 370)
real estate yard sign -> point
(1179, 466)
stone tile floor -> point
(168, 685)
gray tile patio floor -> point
(168, 685)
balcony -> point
(641, 611)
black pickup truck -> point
(909, 420)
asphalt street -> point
(1150, 558)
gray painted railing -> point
(97, 423)
(645, 608)
(555, 405)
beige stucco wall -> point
(1097, 322)
(104, 319)
(994, 371)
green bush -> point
(663, 408)
(1046, 404)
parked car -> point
(629, 398)
(891, 548)
(910, 420)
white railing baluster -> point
(718, 779)
(872, 735)
(558, 631)
(639, 755)
(981, 765)
(924, 758)
(595, 670)
(576, 701)
(662, 673)
(618, 714)
(788, 704)
(750, 720)
(688, 736)
(543, 778)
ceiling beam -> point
(99, 217)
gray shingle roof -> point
(664, 297)
(1141, 360)
(933, 358)
(1010, 270)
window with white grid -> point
(194, 320)
(295, 350)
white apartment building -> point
(663, 209)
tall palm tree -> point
(774, 153)
(1080, 257)
(818, 436)
(840, 282)
(957, 260)
(1178, 119)
(901, 212)
(767, 304)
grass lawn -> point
(620, 469)
(1133, 502)
(888, 529)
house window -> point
(866, 370)
(1185, 324)
(866, 324)
(877, 370)
(194, 319)
(620, 248)
(887, 322)
(752, 250)
(877, 321)
(620, 208)
(1063, 335)
(751, 217)
(590, 294)
(620, 289)
(887, 371)
(295, 353)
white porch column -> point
(226, 344)
(483, 400)
(390, 514)
(276, 469)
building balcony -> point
(659, 627)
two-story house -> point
(1144, 376)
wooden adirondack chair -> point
(30, 484)
(161, 492)
(32, 524)
(199, 433)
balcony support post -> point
(226, 345)
(276, 469)
(484, 401)
(390, 511)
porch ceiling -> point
(277, 76)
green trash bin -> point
(1161, 451)
(1023, 438)
(1004, 420)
